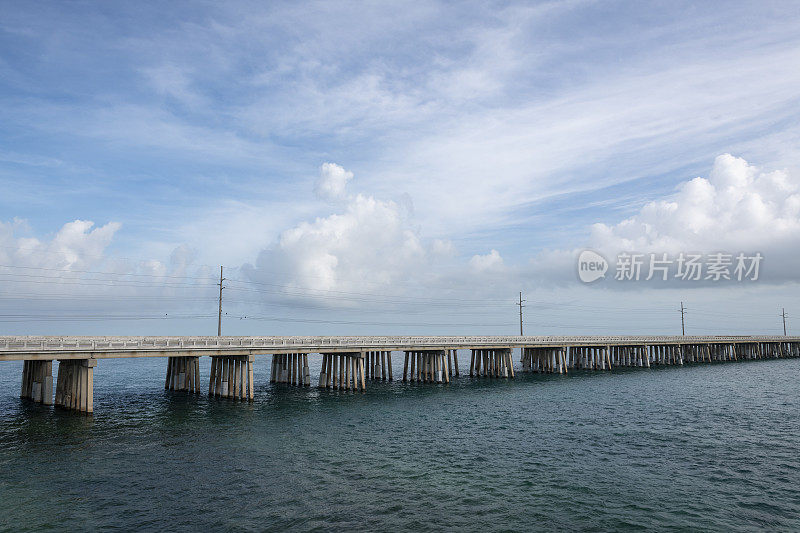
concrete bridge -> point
(349, 362)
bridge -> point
(349, 362)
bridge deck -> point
(73, 347)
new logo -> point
(591, 266)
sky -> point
(398, 168)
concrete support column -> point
(183, 374)
(37, 381)
(232, 377)
(75, 384)
(379, 365)
(499, 363)
(344, 371)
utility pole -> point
(683, 322)
(783, 315)
(219, 315)
(520, 312)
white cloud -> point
(375, 246)
(372, 246)
(737, 208)
(75, 246)
(443, 248)
(370, 242)
(488, 262)
(332, 181)
(73, 269)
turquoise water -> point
(712, 447)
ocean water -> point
(704, 447)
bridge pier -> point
(183, 374)
(772, 350)
(379, 365)
(493, 363)
(427, 366)
(291, 368)
(37, 381)
(775, 349)
(617, 356)
(620, 356)
(644, 356)
(547, 360)
(416, 360)
(75, 384)
(343, 371)
(231, 377)
(452, 363)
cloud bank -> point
(77, 245)
(737, 208)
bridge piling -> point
(231, 377)
(379, 365)
(493, 363)
(37, 381)
(323, 373)
(449, 355)
(426, 366)
(183, 374)
(343, 371)
(75, 384)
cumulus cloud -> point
(73, 269)
(76, 245)
(488, 262)
(376, 245)
(373, 245)
(738, 208)
(332, 181)
(371, 241)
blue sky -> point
(484, 141)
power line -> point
(107, 273)
(281, 289)
(335, 292)
(140, 261)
